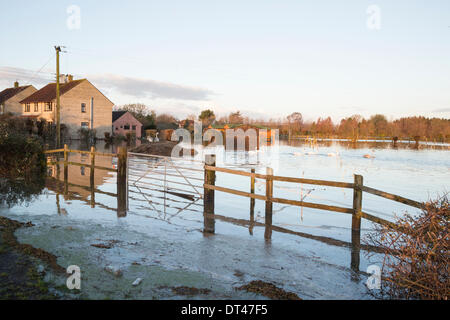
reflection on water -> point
(390, 169)
(78, 182)
(366, 144)
(79, 176)
(156, 206)
(20, 191)
(102, 146)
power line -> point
(20, 73)
(17, 75)
(34, 75)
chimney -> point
(16, 84)
(62, 78)
(65, 78)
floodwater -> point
(160, 238)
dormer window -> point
(27, 107)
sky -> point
(265, 58)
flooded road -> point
(160, 239)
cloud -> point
(177, 109)
(441, 110)
(129, 86)
(147, 88)
(24, 76)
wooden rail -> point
(356, 210)
(358, 187)
(393, 197)
(122, 172)
(66, 149)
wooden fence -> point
(121, 170)
(356, 210)
(209, 188)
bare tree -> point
(236, 118)
(207, 117)
(295, 121)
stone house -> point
(10, 98)
(83, 106)
(123, 122)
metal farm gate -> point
(165, 185)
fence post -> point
(66, 169)
(269, 204)
(208, 198)
(92, 175)
(252, 202)
(356, 221)
(122, 182)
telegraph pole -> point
(58, 106)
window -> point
(117, 128)
(27, 107)
(36, 107)
(82, 171)
(83, 107)
(126, 127)
(48, 106)
(134, 128)
(85, 125)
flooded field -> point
(159, 238)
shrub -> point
(130, 136)
(87, 135)
(21, 156)
(416, 254)
(108, 137)
(11, 123)
(119, 138)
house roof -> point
(48, 93)
(11, 92)
(117, 114)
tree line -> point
(377, 126)
(354, 127)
